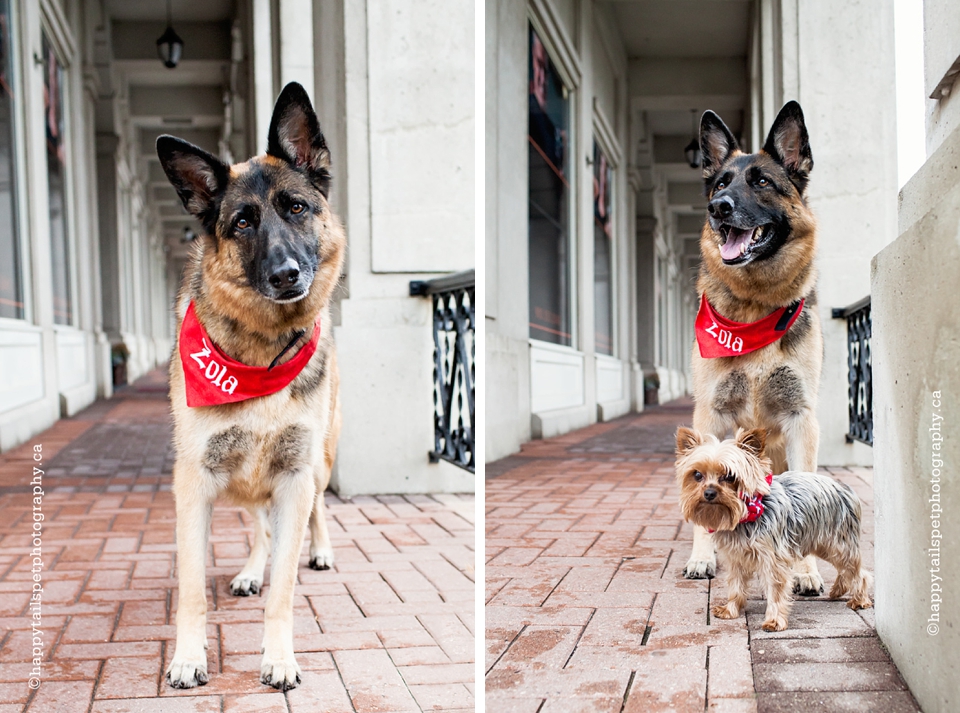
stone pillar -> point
(916, 385)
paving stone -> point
(846, 676)
(818, 650)
(403, 579)
(585, 531)
(838, 702)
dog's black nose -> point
(709, 494)
(721, 207)
(286, 275)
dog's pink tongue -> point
(736, 240)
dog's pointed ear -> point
(752, 441)
(687, 440)
(295, 136)
(789, 144)
(716, 144)
(199, 177)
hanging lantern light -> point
(170, 45)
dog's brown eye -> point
(243, 224)
(296, 208)
(762, 182)
(721, 186)
(697, 475)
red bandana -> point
(754, 505)
(721, 337)
(213, 378)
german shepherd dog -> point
(259, 284)
(757, 253)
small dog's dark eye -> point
(243, 224)
(297, 208)
(729, 478)
(697, 475)
(762, 182)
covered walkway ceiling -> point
(685, 56)
(187, 101)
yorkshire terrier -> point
(764, 524)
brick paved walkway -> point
(587, 609)
(390, 628)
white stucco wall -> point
(401, 118)
(844, 83)
(916, 352)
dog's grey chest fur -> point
(776, 392)
(230, 450)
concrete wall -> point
(850, 114)
(916, 350)
(402, 119)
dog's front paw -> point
(722, 611)
(860, 603)
(185, 673)
(321, 558)
(807, 585)
(282, 675)
(774, 625)
(244, 586)
(700, 569)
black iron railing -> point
(454, 323)
(860, 369)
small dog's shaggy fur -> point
(803, 514)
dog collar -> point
(718, 336)
(754, 505)
(212, 378)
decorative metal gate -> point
(454, 370)
(860, 369)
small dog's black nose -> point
(286, 275)
(709, 494)
(721, 207)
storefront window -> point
(602, 258)
(56, 182)
(11, 288)
(549, 193)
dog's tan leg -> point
(194, 512)
(321, 551)
(852, 579)
(776, 575)
(293, 497)
(802, 436)
(250, 579)
(739, 573)
(703, 558)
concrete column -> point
(916, 414)
(853, 185)
(506, 243)
(265, 69)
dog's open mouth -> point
(290, 296)
(738, 243)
